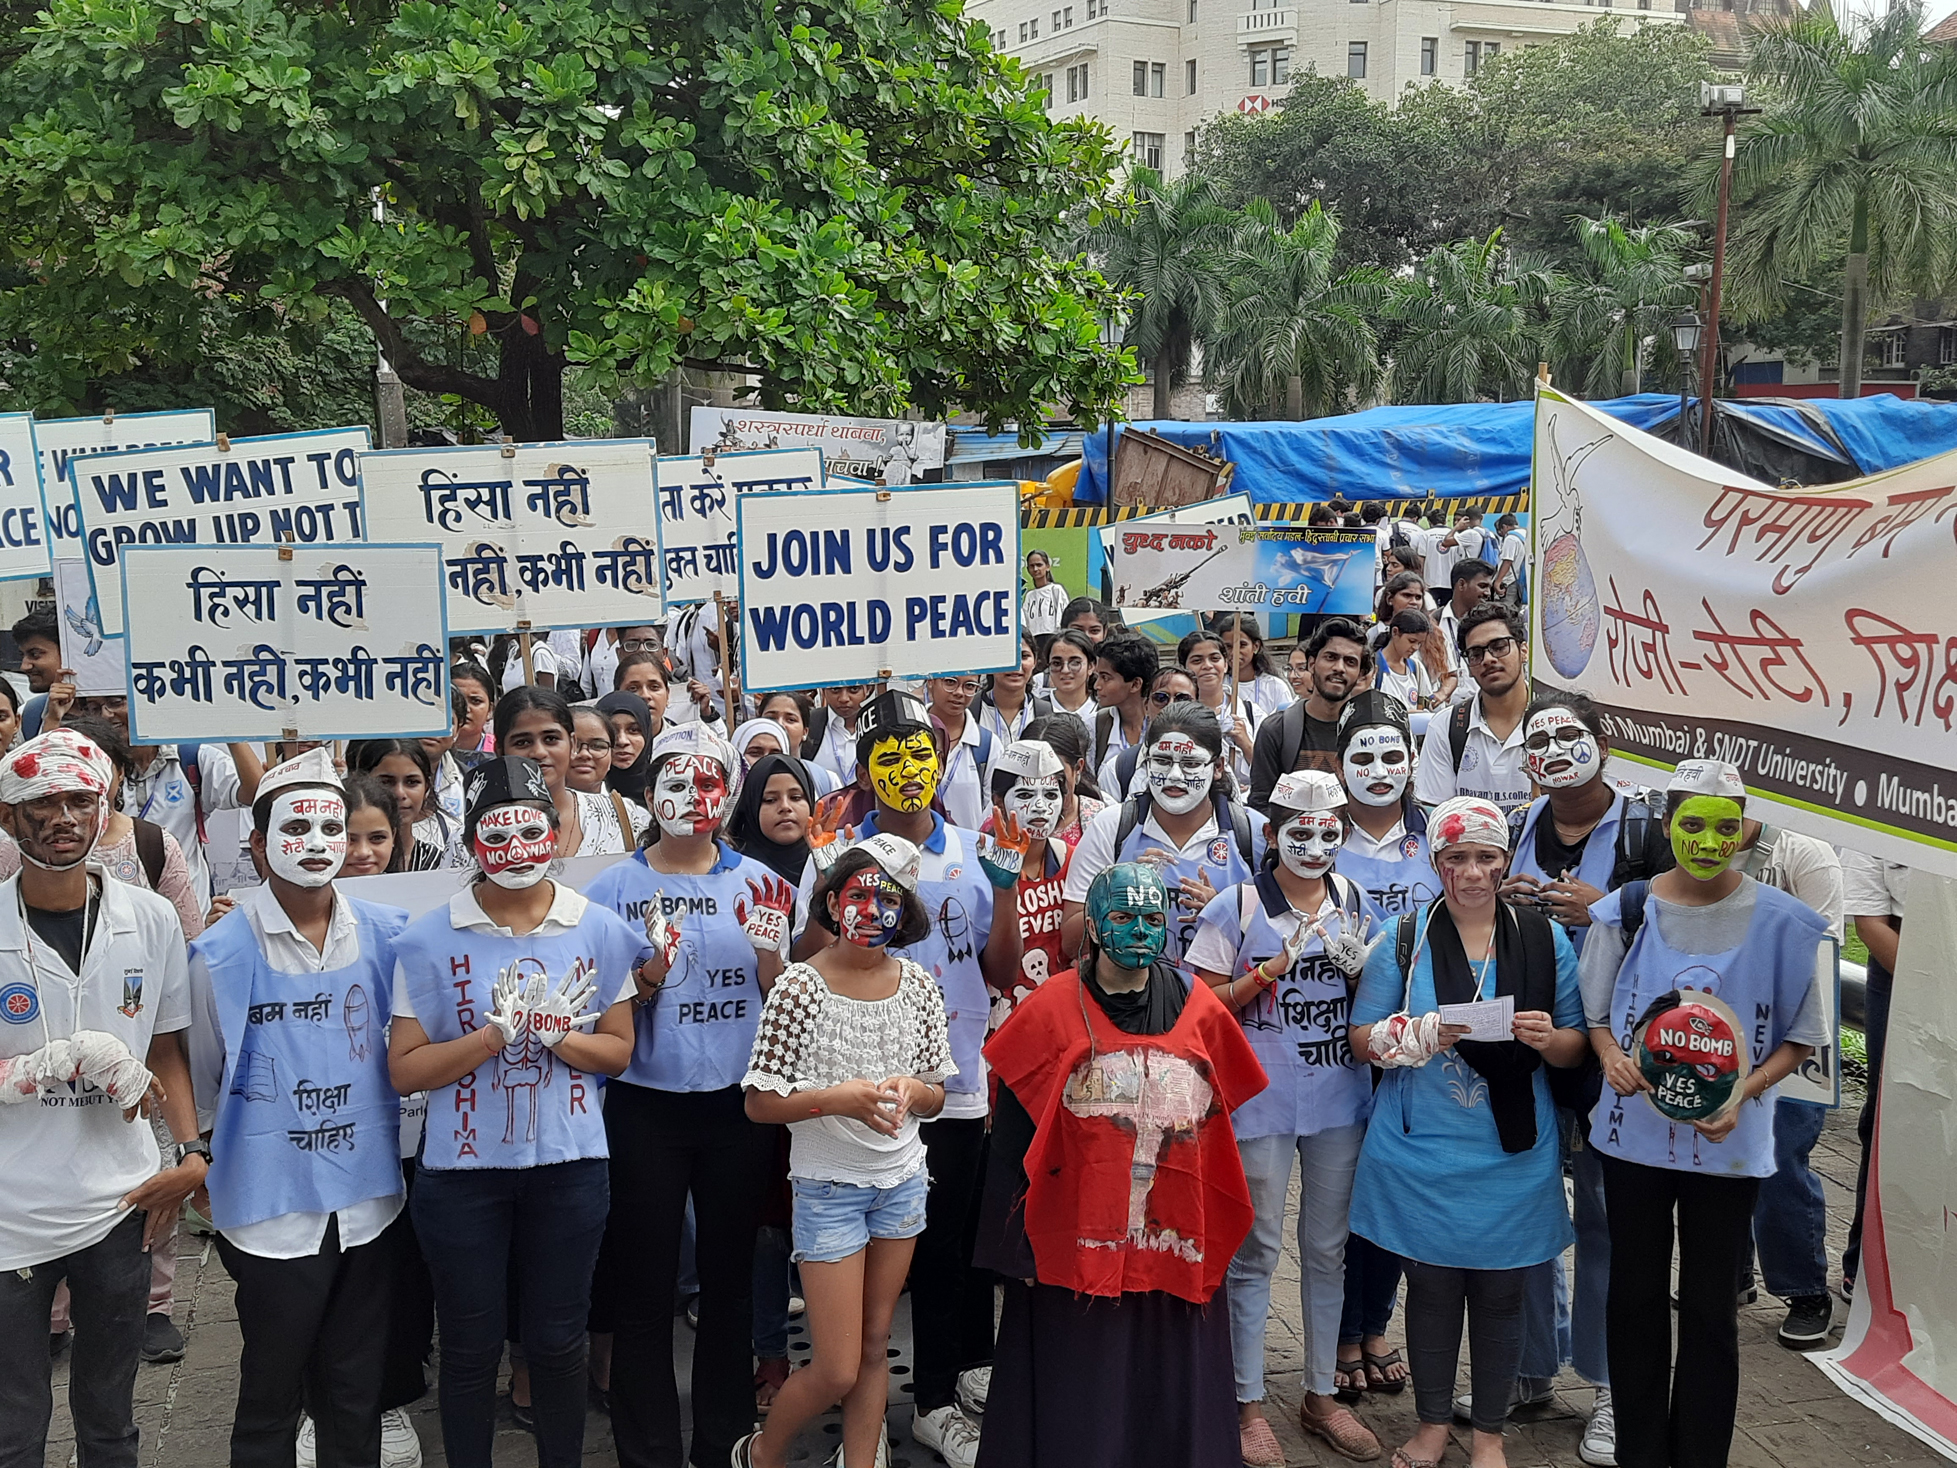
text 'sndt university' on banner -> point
(1809, 635)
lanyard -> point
(34, 968)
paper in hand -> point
(1486, 1019)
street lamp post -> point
(1112, 332)
(1725, 102)
(1685, 336)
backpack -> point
(1491, 548)
(1346, 896)
(1630, 908)
(1643, 851)
(193, 775)
(1457, 731)
(149, 850)
(818, 726)
(1104, 727)
(1397, 537)
(1134, 810)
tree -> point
(1472, 321)
(1857, 149)
(1631, 287)
(857, 204)
(1163, 249)
(1296, 329)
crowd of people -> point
(1031, 993)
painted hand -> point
(829, 838)
(1003, 853)
(1405, 1039)
(1285, 959)
(507, 1015)
(766, 920)
(554, 1014)
(1348, 951)
(663, 933)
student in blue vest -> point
(292, 992)
(1282, 953)
(676, 1117)
(972, 951)
(493, 993)
(1202, 840)
(1702, 926)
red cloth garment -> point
(1101, 1219)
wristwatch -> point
(196, 1148)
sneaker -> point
(1807, 1322)
(1599, 1445)
(400, 1444)
(950, 1434)
(306, 1450)
(1540, 1394)
(162, 1341)
(1846, 1289)
(974, 1387)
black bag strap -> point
(149, 850)
(1103, 732)
(1457, 731)
(818, 726)
(1630, 909)
(1292, 739)
(1134, 810)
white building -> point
(1154, 70)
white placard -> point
(894, 450)
(62, 439)
(95, 658)
(23, 512)
(552, 535)
(298, 487)
(696, 513)
(1818, 1078)
(341, 642)
(850, 586)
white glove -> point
(105, 1063)
(1405, 1039)
(1348, 952)
(1287, 957)
(554, 1014)
(507, 1015)
(24, 1077)
(662, 932)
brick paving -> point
(1790, 1415)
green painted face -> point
(1706, 835)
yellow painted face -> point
(904, 772)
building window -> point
(1947, 347)
(1192, 12)
(1430, 53)
(1890, 348)
(1069, 14)
(1355, 60)
(1260, 68)
(1471, 60)
(1490, 49)
(1189, 77)
(1056, 22)
(1148, 150)
(1189, 148)
(1077, 83)
(1280, 65)
(1034, 26)
(1158, 76)
(1022, 33)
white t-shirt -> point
(1872, 887)
(541, 658)
(164, 795)
(1039, 611)
(1514, 550)
(69, 1158)
(1491, 768)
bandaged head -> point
(1559, 749)
(896, 747)
(1035, 795)
(1708, 813)
(1128, 911)
(1375, 748)
(1467, 820)
(306, 829)
(1306, 808)
(690, 769)
(510, 820)
(66, 779)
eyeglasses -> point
(1495, 647)
(1569, 734)
(591, 746)
(1067, 665)
(638, 644)
(1163, 698)
(969, 686)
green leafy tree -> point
(857, 204)
(1471, 323)
(1629, 289)
(1856, 151)
(1296, 330)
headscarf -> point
(631, 780)
(743, 828)
(745, 734)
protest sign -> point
(1216, 557)
(299, 487)
(532, 535)
(23, 513)
(696, 513)
(893, 450)
(850, 586)
(62, 439)
(1809, 636)
(282, 642)
(95, 658)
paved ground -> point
(1791, 1416)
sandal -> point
(1403, 1459)
(769, 1378)
(1349, 1380)
(1349, 1436)
(1376, 1378)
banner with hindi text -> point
(696, 513)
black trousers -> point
(665, 1145)
(1675, 1415)
(411, 1321)
(951, 1302)
(315, 1332)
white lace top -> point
(812, 1038)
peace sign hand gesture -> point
(829, 838)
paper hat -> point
(1707, 777)
(889, 712)
(897, 857)
(1467, 820)
(501, 780)
(1028, 759)
(59, 762)
(1308, 791)
(697, 738)
(314, 767)
(1363, 710)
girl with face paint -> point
(1029, 786)
(537, 724)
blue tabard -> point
(306, 1118)
(1400, 883)
(523, 1107)
(1219, 861)
(1599, 853)
(1763, 982)
(698, 1032)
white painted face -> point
(1559, 750)
(1180, 773)
(306, 838)
(1376, 765)
(1035, 801)
(1308, 841)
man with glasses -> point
(967, 746)
(613, 644)
(1306, 735)
(1477, 749)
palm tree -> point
(1167, 249)
(1858, 145)
(1295, 329)
(1631, 284)
(1472, 321)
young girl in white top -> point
(852, 1053)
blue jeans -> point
(1560, 1323)
(474, 1223)
(1790, 1222)
(1372, 1283)
(771, 1291)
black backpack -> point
(1134, 810)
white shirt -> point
(68, 1158)
(1268, 693)
(1415, 683)
(1491, 768)
(601, 664)
(1096, 852)
(1362, 845)
(567, 646)
(1040, 609)
(1802, 867)
(542, 660)
(837, 749)
(1438, 559)
(967, 803)
(287, 951)
(1515, 552)
(163, 795)
(1872, 887)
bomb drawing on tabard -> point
(955, 925)
(359, 1021)
(1159, 1099)
(523, 1067)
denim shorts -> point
(835, 1220)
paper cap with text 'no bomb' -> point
(503, 780)
(314, 767)
(1691, 1048)
(1707, 777)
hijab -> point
(630, 781)
(743, 829)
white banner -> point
(62, 439)
(894, 450)
(297, 487)
(852, 586)
(1817, 1079)
(696, 513)
(277, 642)
(95, 658)
(548, 535)
(23, 512)
(1809, 636)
